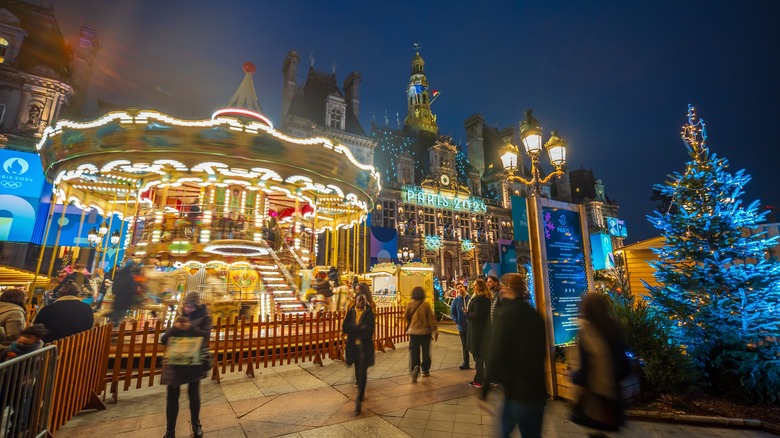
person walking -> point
(421, 327)
(187, 344)
(358, 326)
(516, 361)
(478, 316)
(66, 316)
(603, 363)
(13, 315)
(124, 289)
(458, 314)
(363, 289)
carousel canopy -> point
(109, 163)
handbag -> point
(184, 350)
(596, 411)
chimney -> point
(352, 93)
(289, 70)
(83, 58)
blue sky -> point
(614, 78)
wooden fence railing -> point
(135, 354)
(80, 374)
(131, 355)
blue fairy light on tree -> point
(716, 285)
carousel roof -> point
(108, 163)
(244, 103)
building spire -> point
(419, 117)
(244, 103)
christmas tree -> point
(718, 289)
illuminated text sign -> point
(416, 196)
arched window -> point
(3, 49)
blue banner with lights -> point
(520, 218)
(566, 270)
(21, 183)
(601, 251)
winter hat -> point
(192, 298)
(37, 330)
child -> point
(29, 340)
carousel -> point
(228, 206)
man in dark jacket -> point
(124, 289)
(495, 291)
(517, 360)
(66, 316)
(459, 316)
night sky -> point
(613, 77)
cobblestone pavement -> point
(306, 400)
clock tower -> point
(441, 157)
(419, 118)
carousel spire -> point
(244, 102)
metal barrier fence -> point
(135, 355)
(26, 386)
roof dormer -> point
(335, 112)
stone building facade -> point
(40, 75)
(450, 205)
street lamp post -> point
(405, 255)
(96, 238)
(531, 137)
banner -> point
(21, 183)
(566, 270)
(507, 256)
(601, 251)
(616, 227)
(384, 244)
(520, 218)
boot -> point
(197, 430)
(170, 434)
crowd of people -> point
(500, 332)
(506, 338)
(187, 359)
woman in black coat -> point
(359, 327)
(195, 323)
(478, 316)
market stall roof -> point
(10, 276)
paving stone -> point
(305, 400)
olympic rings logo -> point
(10, 184)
